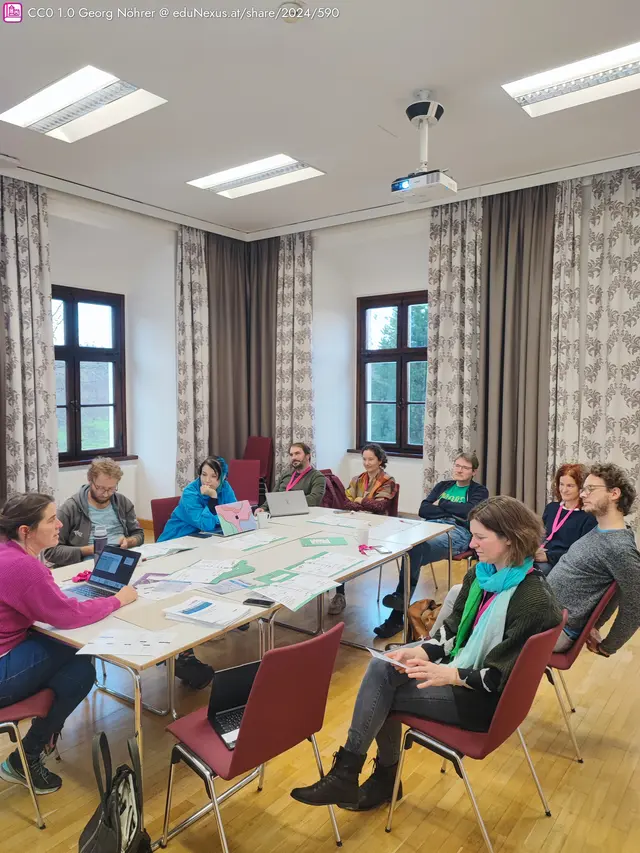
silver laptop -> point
(287, 503)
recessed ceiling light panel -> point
(83, 103)
(255, 177)
(590, 79)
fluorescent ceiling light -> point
(581, 82)
(85, 102)
(255, 177)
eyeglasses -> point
(463, 467)
(104, 491)
(586, 490)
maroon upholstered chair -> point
(244, 479)
(161, 509)
(37, 705)
(286, 706)
(560, 661)
(453, 744)
(260, 447)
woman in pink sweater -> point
(30, 661)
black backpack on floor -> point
(116, 825)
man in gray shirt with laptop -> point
(607, 553)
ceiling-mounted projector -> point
(424, 184)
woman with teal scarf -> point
(455, 677)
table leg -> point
(171, 664)
(171, 687)
(450, 561)
(407, 594)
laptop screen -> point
(114, 567)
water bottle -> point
(99, 541)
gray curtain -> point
(515, 311)
(192, 346)
(243, 280)
(29, 439)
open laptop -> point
(229, 696)
(112, 571)
(236, 518)
(287, 503)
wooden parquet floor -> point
(595, 806)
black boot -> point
(339, 786)
(391, 626)
(193, 672)
(377, 790)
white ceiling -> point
(329, 92)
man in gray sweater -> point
(607, 553)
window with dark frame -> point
(392, 371)
(88, 338)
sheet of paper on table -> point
(160, 549)
(204, 571)
(328, 565)
(251, 540)
(204, 610)
(130, 642)
(341, 521)
(391, 526)
(296, 591)
(163, 589)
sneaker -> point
(394, 600)
(337, 604)
(192, 671)
(44, 781)
(390, 627)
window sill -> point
(79, 463)
(404, 453)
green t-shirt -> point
(456, 494)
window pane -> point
(382, 328)
(381, 422)
(416, 424)
(381, 382)
(97, 427)
(418, 322)
(417, 381)
(57, 315)
(62, 430)
(95, 325)
(61, 383)
(96, 382)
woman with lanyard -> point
(564, 519)
(457, 676)
(371, 491)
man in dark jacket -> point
(449, 502)
(99, 503)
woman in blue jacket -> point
(197, 508)
(197, 511)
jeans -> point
(384, 690)
(39, 662)
(431, 551)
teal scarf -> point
(490, 628)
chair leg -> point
(261, 778)
(167, 807)
(379, 584)
(566, 690)
(467, 783)
(433, 575)
(27, 774)
(545, 804)
(334, 824)
(443, 769)
(218, 816)
(567, 721)
(396, 784)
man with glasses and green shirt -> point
(605, 554)
(449, 502)
(97, 504)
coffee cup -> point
(362, 536)
(263, 519)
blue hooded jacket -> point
(193, 513)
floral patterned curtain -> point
(454, 333)
(29, 461)
(192, 337)
(595, 356)
(294, 315)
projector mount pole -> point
(423, 130)
(423, 112)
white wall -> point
(102, 248)
(365, 259)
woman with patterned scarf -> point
(371, 491)
(457, 676)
